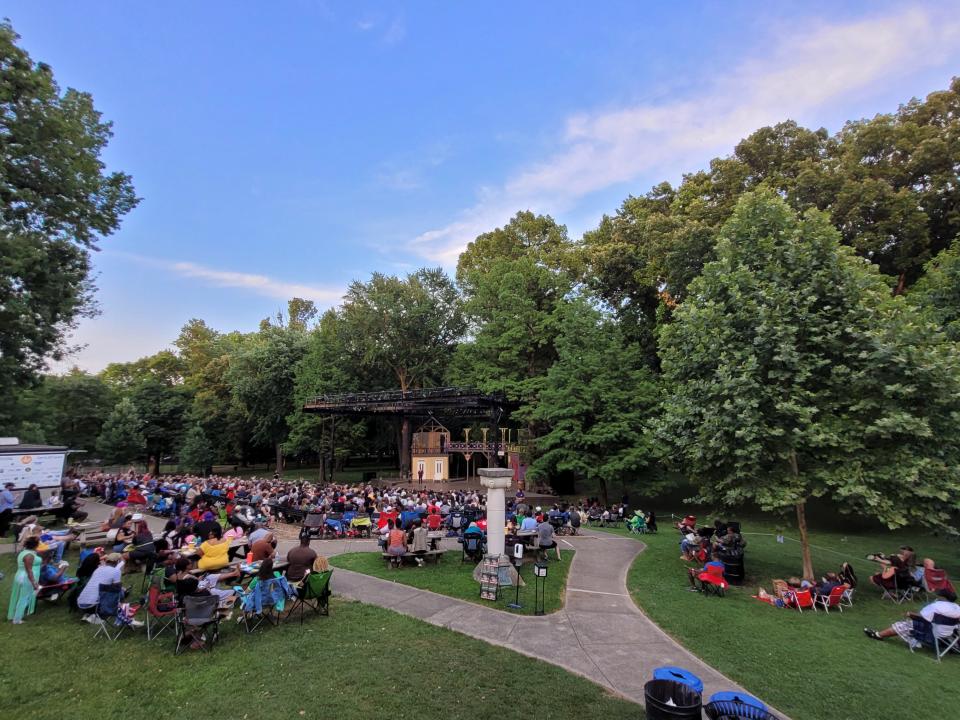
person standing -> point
(7, 501)
(23, 593)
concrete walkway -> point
(599, 634)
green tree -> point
(197, 453)
(404, 330)
(794, 374)
(56, 202)
(597, 402)
(939, 290)
(75, 406)
(162, 409)
(261, 377)
(120, 440)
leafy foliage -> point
(121, 441)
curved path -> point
(600, 633)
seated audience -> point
(945, 605)
(300, 559)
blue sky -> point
(288, 148)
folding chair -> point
(936, 579)
(111, 620)
(158, 618)
(472, 548)
(848, 597)
(925, 633)
(52, 593)
(800, 599)
(259, 604)
(312, 525)
(313, 594)
(712, 581)
(834, 599)
(199, 613)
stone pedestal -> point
(496, 481)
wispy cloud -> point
(807, 72)
(394, 28)
(255, 283)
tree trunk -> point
(156, 465)
(404, 445)
(802, 524)
(901, 284)
(603, 492)
(279, 448)
(333, 445)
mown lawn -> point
(811, 665)
(362, 662)
(455, 579)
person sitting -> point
(894, 575)
(108, 573)
(945, 605)
(418, 539)
(144, 551)
(687, 525)
(529, 524)
(265, 547)
(300, 559)
(694, 573)
(545, 533)
(731, 541)
(208, 583)
(53, 574)
(214, 551)
(31, 498)
(184, 582)
(124, 535)
(56, 540)
(652, 522)
(396, 543)
(689, 546)
(827, 584)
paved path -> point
(599, 634)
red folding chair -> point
(936, 579)
(800, 599)
(712, 581)
(161, 610)
(834, 599)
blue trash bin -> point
(678, 675)
(731, 696)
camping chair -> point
(52, 593)
(834, 599)
(637, 524)
(161, 606)
(456, 521)
(111, 619)
(712, 581)
(200, 614)
(800, 599)
(333, 527)
(925, 633)
(848, 597)
(472, 548)
(264, 601)
(312, 525)
(361, 526)
(936, 579)
(904, 586)
(314, 593)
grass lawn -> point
(810, 665)
(361, 662)
(455, 579)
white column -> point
(496, 481)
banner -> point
(24, 469)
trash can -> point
(679, 675)
(735, 697)
(668, 699)
(733, 569)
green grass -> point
(361, 662)
(810, 665)
(455, 579)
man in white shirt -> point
(106, 574)
(945, 605)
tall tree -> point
(794, 374)
(938, 291)
(120, 440)
(405, 330)
(196, 453)
(597, 401)
(56, 201)
(261, 377)
(162, 410)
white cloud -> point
(807, 72)
(259, 284)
